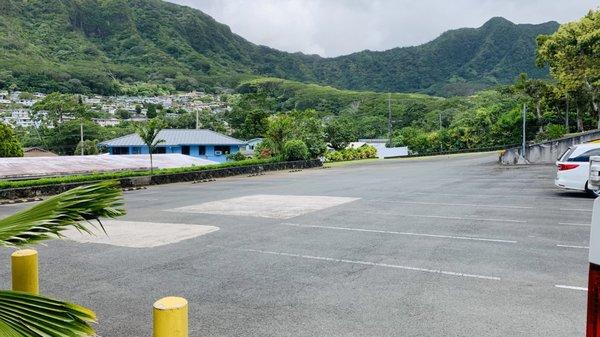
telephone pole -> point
(524, 130)
(440, 133)
(389, 119)
(197, 123)
(81, 137)
(567, 113)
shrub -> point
(295, 150)
(236, 156)
(363, 152)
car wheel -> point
(592, 193)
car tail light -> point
(565, 167)
(593, 305)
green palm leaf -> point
(26, 315)
(74, 208)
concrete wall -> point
(209, 152)
(547, 152)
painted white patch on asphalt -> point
(577, 247)
(401, 233)
(267, 206)
(375, 264)
(136, 234)
(571, 287)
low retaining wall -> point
(546, 152)
(45, 190)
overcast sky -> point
(338, 27)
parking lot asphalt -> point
(441, 246)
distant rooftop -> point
(19, 167)
(174, 137)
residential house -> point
(199, 143)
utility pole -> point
(81, 137)
(524, 130)
(197, 124)
(567, 113)
(440, 133)
(390, 119)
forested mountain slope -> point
(105, 46)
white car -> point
(573, 168)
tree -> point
(280, 129)
(339, 132)
(149, 133)
(295, 149)
(9, 144)
(27, 315)
(535, 90)
(151, 111)
(58, 106)
(88, 147)
(123, 114)
(573, 54)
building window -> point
(223, 149)
(202, 150)
(185, 149)
(136, 150)
(160, 149)
(120, 150)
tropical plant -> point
(149, 133)
(28, 315)
(9, 144)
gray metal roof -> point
(173, 137)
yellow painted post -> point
(25, 271)
(170, 316)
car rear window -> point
(585, 157)
(567, 153)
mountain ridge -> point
(101, 46)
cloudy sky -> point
(337, 27)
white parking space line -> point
(401, 233)
(465, 205)
(453, 217)
(575, 210)
(374, 264)
(576, 247)
(570, 287)
(574, 224)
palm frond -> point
(73, 208)
(26, 315)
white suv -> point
(573, 167)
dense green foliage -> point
(363, 152)
(573, 53)
(9, 143)
(151, 46)
(126, 174)
(295, 149)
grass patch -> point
(126, 174)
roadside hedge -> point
(363, 152)
(126, 174)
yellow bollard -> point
(170, 317)
(25, 271)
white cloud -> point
(337, 27)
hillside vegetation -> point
(111, 46)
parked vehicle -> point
(573, 168)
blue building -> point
(200, 143)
